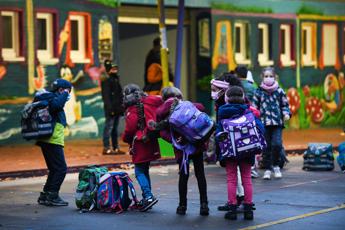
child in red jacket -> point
(169, 94)
(143, 147)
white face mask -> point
(68, 97)
(215, 95)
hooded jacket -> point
(112, 96)
(141, 150)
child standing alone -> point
(236, 107)
(271, 100)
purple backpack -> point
(244, 138)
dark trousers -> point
(200, 176)
(55, 160)
(110, 131)
(271, 155)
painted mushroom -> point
(314, 110)
(294, 105)
(306, 91)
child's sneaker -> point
(148, 203)
(277, 173)
(267, 175)
(254, 173)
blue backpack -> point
(36, 120)
(341, 156)
(113, 192)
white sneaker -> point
(277, 173)
(267, 175)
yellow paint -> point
(30, 44)
(320, 17)
(16, 101)
(322, 211)
(229, 49)
(313, 45)
(88, 92)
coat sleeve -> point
(105, 87)
(256, 99)
(260, 126)
(131, 125)
(57, 103)
(284, 104)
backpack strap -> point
(132, 189)
(117, 207)
(173, 106)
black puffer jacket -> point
(112, 96)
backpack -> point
(341, 156)
(193, 125)
(318, 156)
(243, 139)
(113, 192)
(36, 120)
(86, 192)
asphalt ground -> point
(300, 200)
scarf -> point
(271, 88)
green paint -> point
(166, 148)
(204, 82)
(234, 8)
(305, 9)
(111, 3)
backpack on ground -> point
(318, 156)
(113, 192)
(341, 156)
(86, 192)
(36, 120)
(242, 137)
(185, 119)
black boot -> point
(204, 210)
(53, 199)
(248, 211)
(232, 213)
(181, 209)
(225, 207)
(42, 199)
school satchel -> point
(241, 138)
(36, 120)
(318, 156)
(185, 119)
(86, 192)
(113, 193)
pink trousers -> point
(231, 173)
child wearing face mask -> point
(272, 102)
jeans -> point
(110, 130)
(200, 176)
(271, 155)
(143, 177)
(232, 179)
(55, 160)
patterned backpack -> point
(319, 156)
(243, 139)
(113, 192)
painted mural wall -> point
(313, 77)
(76, 40)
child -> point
(143, 148)
(169, 95)
(53, 147)
(236, 107)
(218, 88)
(271, 100)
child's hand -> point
(286, 117)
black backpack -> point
(36, 120)
(318, 156)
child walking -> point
(271, 100)
(143, 147)
(169, 95)
(235, 107)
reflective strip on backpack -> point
(232, 138)
(248, 147)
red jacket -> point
(141, 151)
(163, 112)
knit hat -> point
(108, 65)
(132, 94)
(235, 95)
(61, 83)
